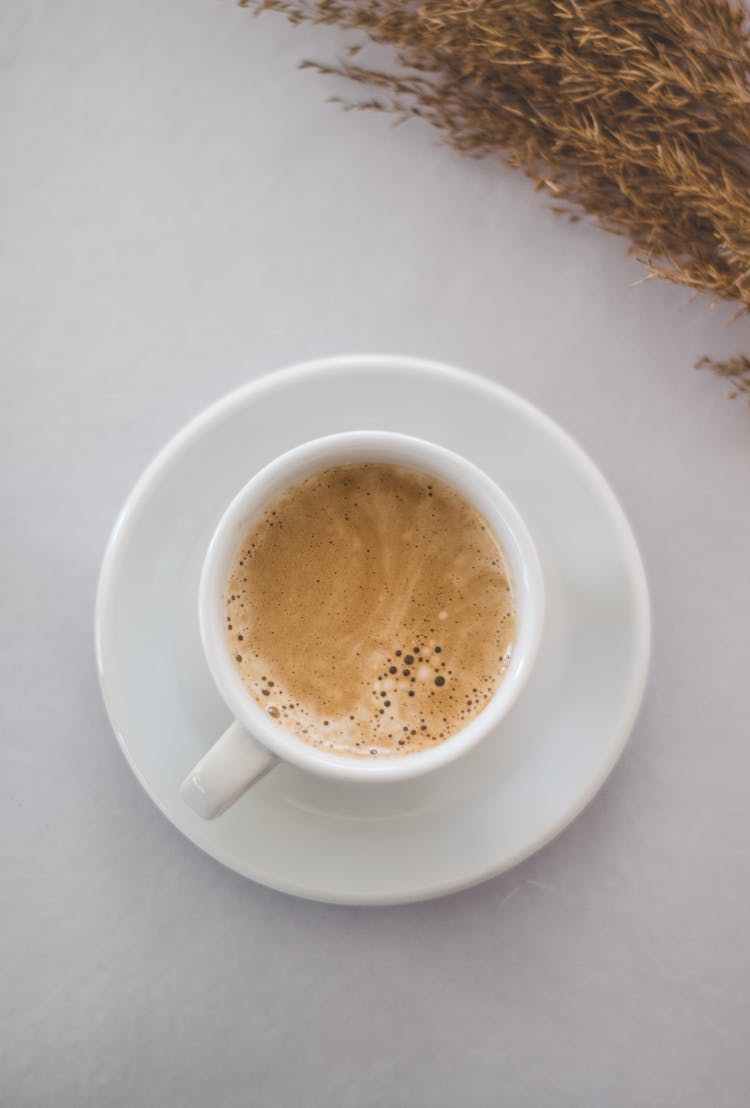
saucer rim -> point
(344, 365)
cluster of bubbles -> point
(414, 703)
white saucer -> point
(415, 839)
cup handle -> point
(234, 763)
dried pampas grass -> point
(637, 113)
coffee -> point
(369, 610)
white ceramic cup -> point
(255, 743)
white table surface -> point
(181, 211)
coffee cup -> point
(255, 742)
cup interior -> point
(371, 446)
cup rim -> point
(428, 457)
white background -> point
(180, 212)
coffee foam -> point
(369, 611)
